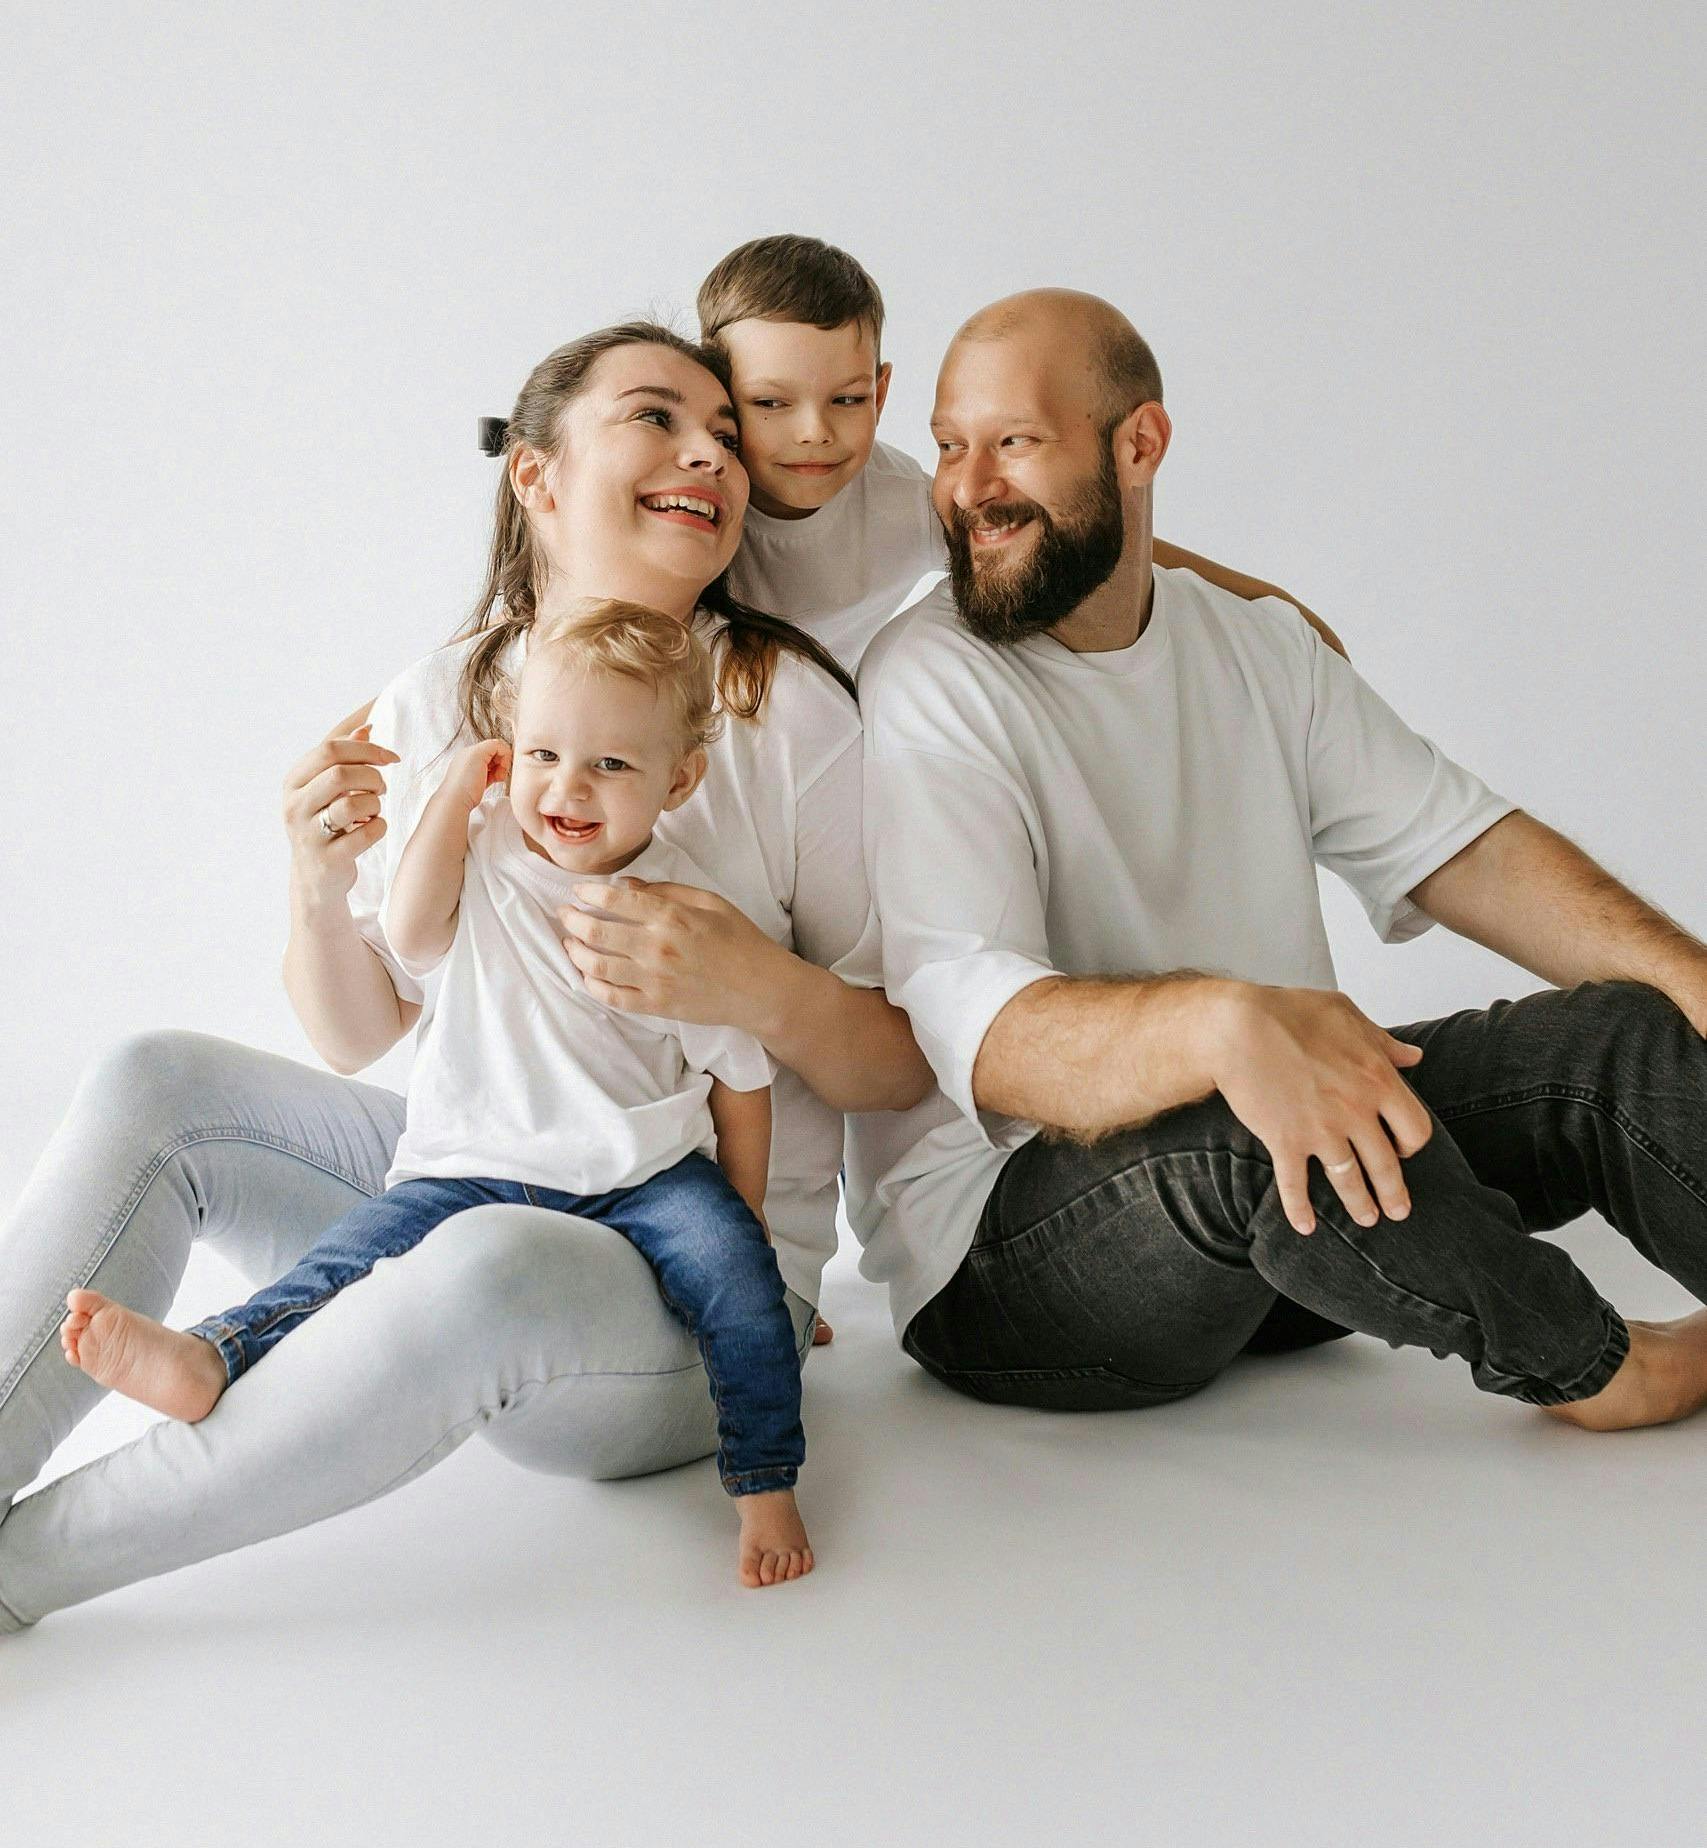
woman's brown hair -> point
(517, 568)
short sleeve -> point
(951, 862)
(1387, 806)
(736, 1058)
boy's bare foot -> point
(773, 1538)
(180, 1375)
(1663, 1378)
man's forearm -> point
(341, 991)
(1526, 892)
(1086, 1055)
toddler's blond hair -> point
(607, 635)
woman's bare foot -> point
(773, 1538)
(1663, 1378)
(180, 1375)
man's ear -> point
(690, 772)
(1140, 441)
(882, 387)
(527, 479)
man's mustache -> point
(998, 513)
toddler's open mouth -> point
(575, 833)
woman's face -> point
(645, 496)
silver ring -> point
(1339, 1167)
(324, 822)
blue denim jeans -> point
(1132, 1271)
(709, 1255)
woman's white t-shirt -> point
(776, 821)
(520, 1075)
(843, 571)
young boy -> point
(840, 530)
(521, 1074)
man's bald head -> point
(1079, 338)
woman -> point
(545, 1334)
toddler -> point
(519, 1073)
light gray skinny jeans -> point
(544, 1333)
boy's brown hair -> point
(789, 278)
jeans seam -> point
(1554, 1092)
(115, 1229)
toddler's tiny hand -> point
(476, 769)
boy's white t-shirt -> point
(520, 1074)
(1033, 811)
(842, 572)
(776, 822)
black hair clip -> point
(493, 431)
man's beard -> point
(1073, 555)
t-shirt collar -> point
(1135, 660)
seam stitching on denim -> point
(1594, 1100)
(1058, 1213)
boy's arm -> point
(1174, 557)
(742, 1120)
(426, 891)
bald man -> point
(1097, 796)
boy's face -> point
(808, 399)
(595, 761)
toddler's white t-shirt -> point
(842, 572)
(776, 817)
(520, 1074)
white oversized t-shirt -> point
(776, 821)
(842, 572)
(1033, 811)
(520, 1075)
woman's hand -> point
(473, 771)
(672, 950)
(331, 807)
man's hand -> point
(1312, 1076)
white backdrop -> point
(1424, 282)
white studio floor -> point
(1340, 1598)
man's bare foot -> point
(180, 1375)
(1663, 1378)
(773, 1538)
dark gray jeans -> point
(1133, 1271)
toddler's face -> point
(595, 761)
(808, 399)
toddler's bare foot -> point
(822, 1334)
(180, 1375)
(773, 1538)
(1663, 1378)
